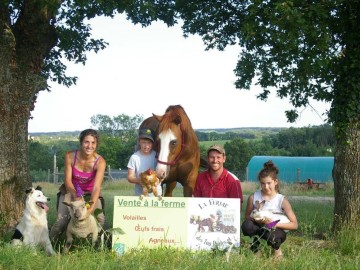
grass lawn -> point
(312, 246)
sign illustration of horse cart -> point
(179, 222)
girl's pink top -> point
(84, 180)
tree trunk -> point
(347, 179)
(345, 114)
(19, 84)
(14, 173)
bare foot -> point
(278, 254)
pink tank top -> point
(85, 180)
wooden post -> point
(109, 173)
(54, 176)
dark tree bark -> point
(346, 176)
(23, 48)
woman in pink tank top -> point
(84, 173)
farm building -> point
(294, 169)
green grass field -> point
(312, 246)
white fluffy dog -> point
(32, 229)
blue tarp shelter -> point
(293, 169)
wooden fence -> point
(58, 177)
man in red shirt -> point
(217, 182)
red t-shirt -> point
(227, 186)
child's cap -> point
(146, 133)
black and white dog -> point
(32, 229)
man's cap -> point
(218, 148)
(146, 133)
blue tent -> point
(293, 169)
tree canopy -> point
(121, 125)
(287, 46)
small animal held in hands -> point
(267, 216)
(32, 229)
(149, 183)
(81, 224)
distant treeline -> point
(240, 145)
(230, 134)
(219, 134)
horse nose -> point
(160, 174)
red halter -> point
(179, 155)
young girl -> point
(270, 199)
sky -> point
(145, 70)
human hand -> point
(87, 214)
(263, 220)
(272, 224)
(267, 220)
(74, 197)
(90, 206)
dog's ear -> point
(38, 188)
(28, 190)
(257, 205)
(262, 204)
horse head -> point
(178, 153)
(171, 140)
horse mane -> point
(176, 114)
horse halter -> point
(173, 162)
